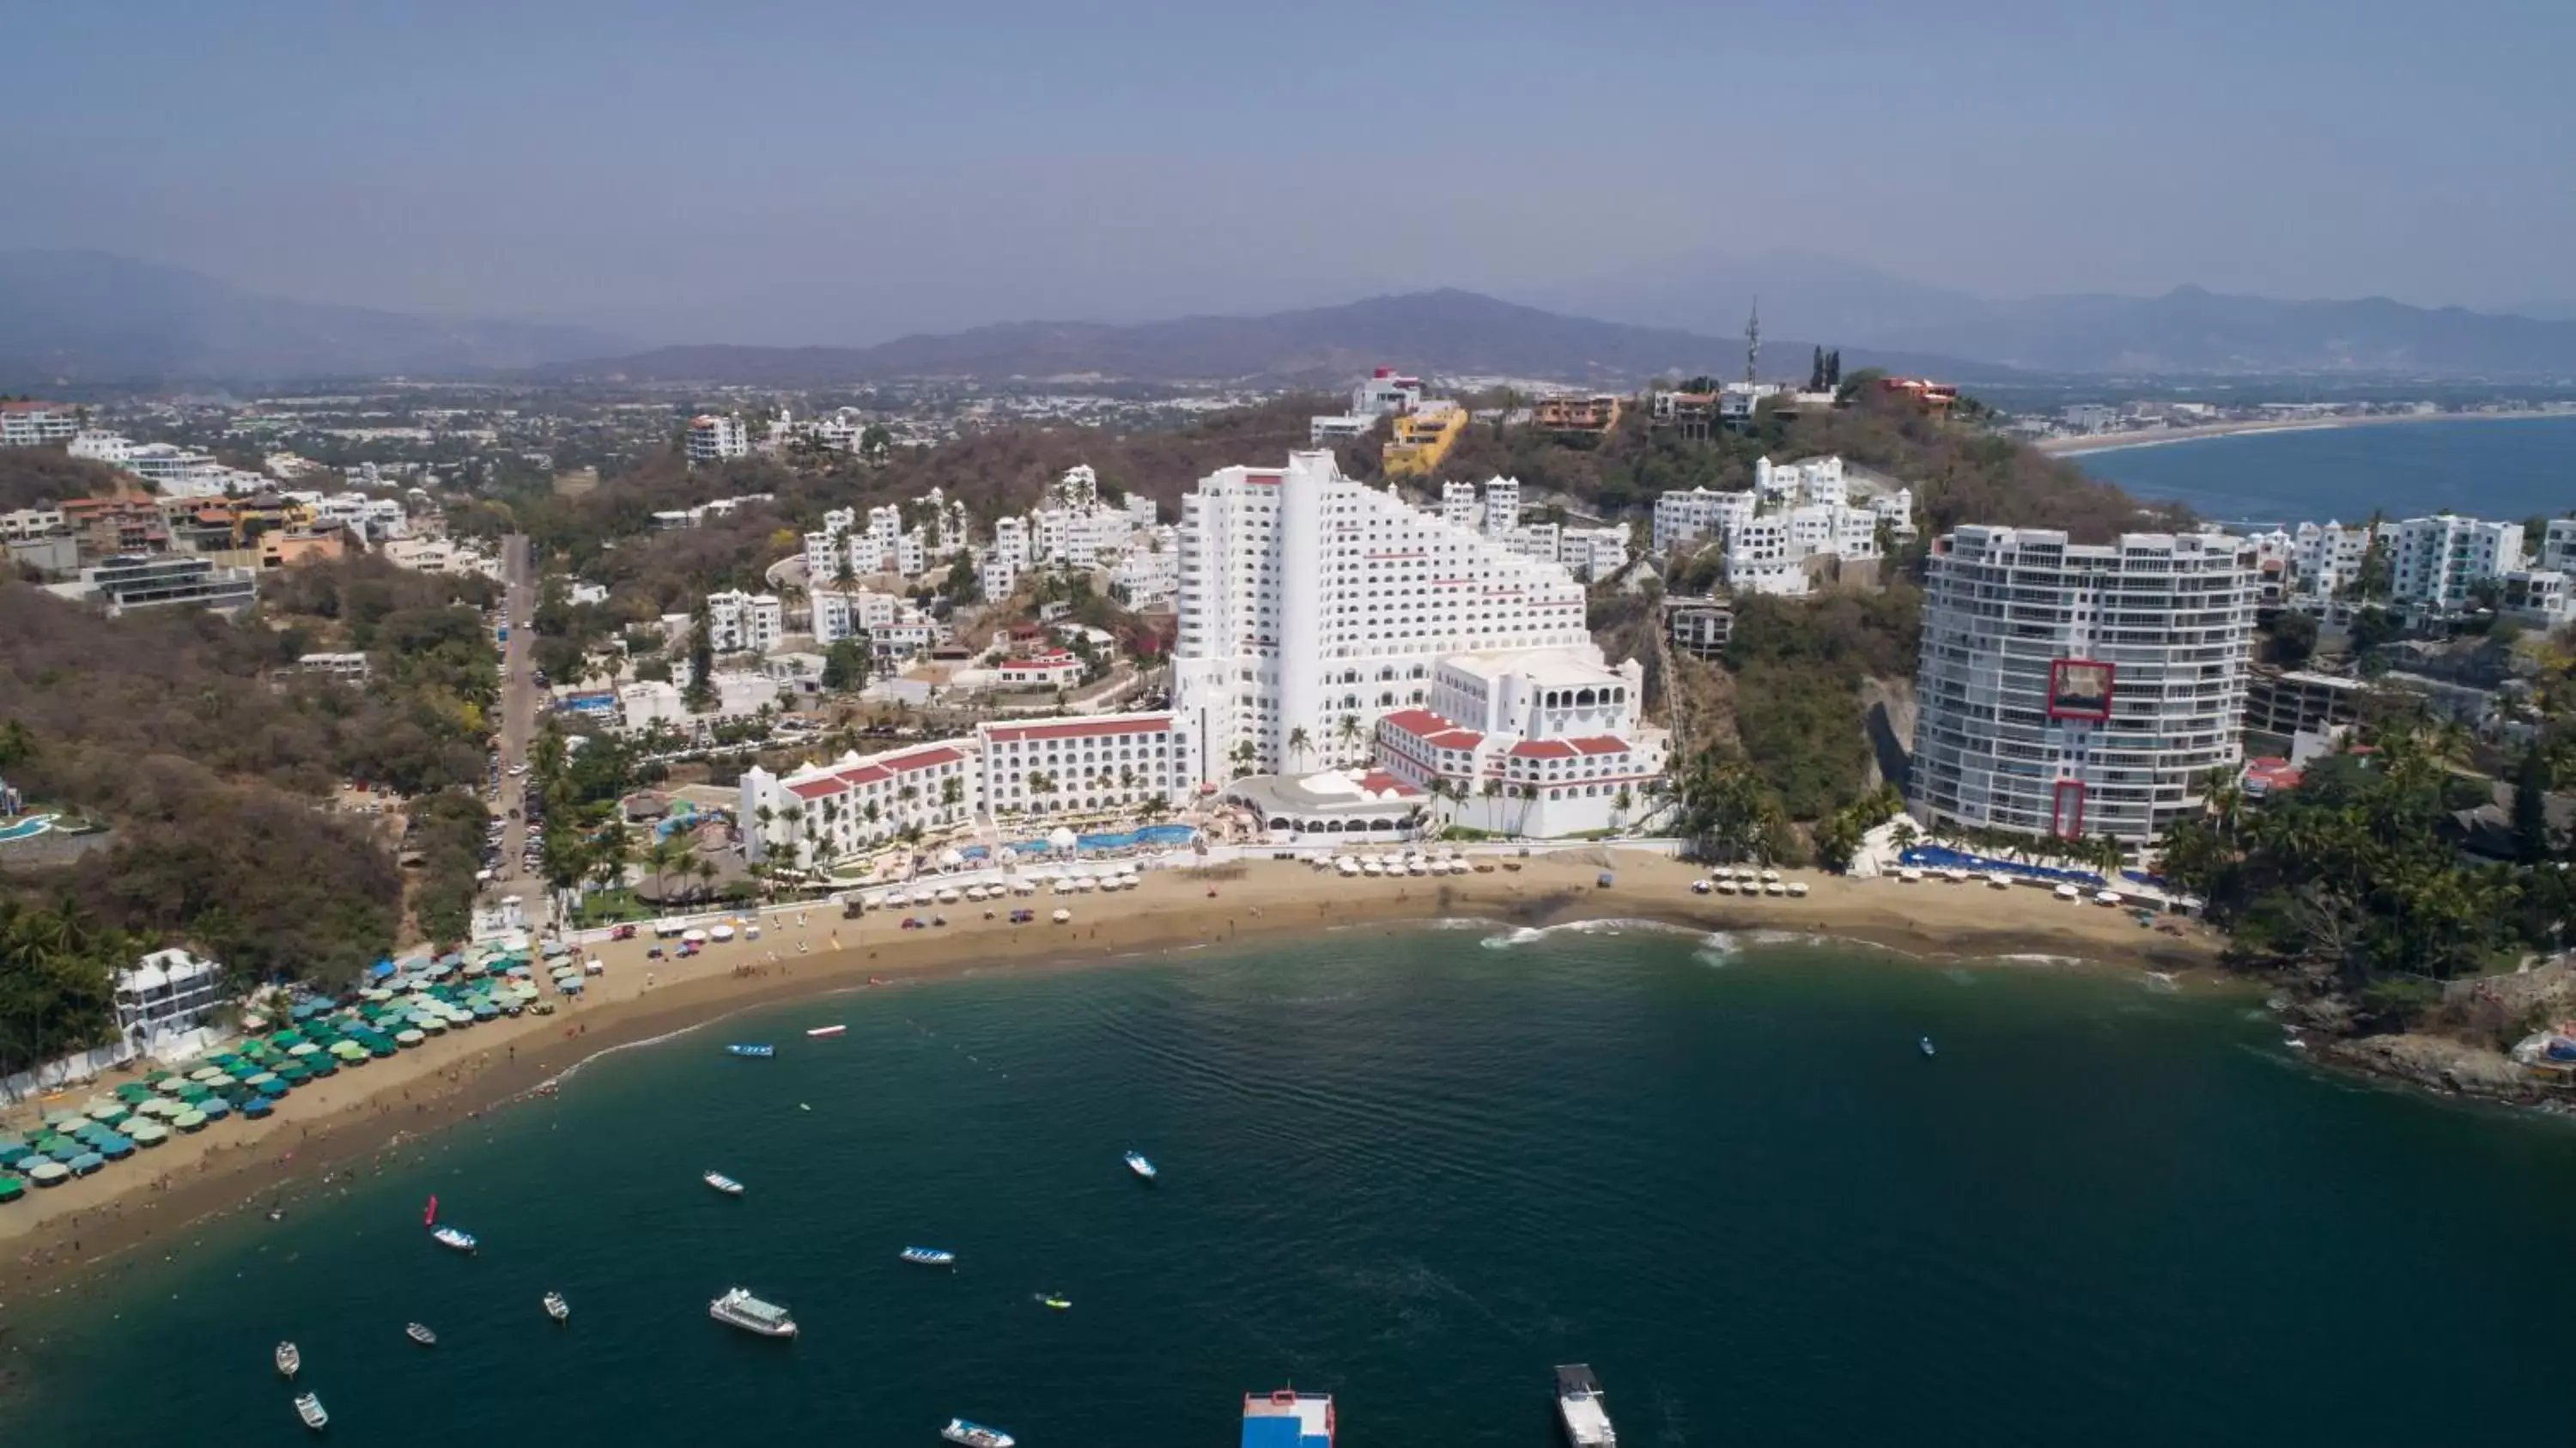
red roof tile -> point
(865, 774)
(1601, 744)
(1088, 729)
(1455, 739)
(1542, 749)
(1378, 781)
(814, 788)
(1418, 721)
(926, 759)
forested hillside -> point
(191, 737)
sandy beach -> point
(351, 1121)
(2115, 442)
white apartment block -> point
(173, 471)
(714, 438)
(2080, 691)
(38, 424)
(2326, 560)
(1149, 573)
(2558, 545)
(1326, 429)
(1502, 506)
(2539, 597)
(1687, 517)
(1312, 605)
(1461, 507)
(1115, 763)
(1035, 769)
(1539, 743)
(2436, 561)
(745, 623)
(1815, 480)
(894, 627)
(1385, 394)
(24, 523)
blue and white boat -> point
(453, 1238)
(976, 1435)
(722, 1183)
(738, 1049)
(929, 1256)
(1137, 1163)
(1925, 1045)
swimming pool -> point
(27, 829)
(1161, 836)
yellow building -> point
(1421, 438)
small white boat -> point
(827, 1030)
(722, 1183)
(420, 1334)
(309, 1408)
(928, 1256)
(455, 1239)
(290, 1361)
(557, 1308)
(738, 1308)
(975, 1435)
(1144, 1169)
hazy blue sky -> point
(804, 170)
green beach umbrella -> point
(148, 1133)
(171, 1086)
(408, 1037)
(191, 1121)
(12, 1188)
(132, 1092)
(45, 1174)
(202, 1072)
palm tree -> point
(1297, 742)
(952, 792)
(1243, 756)
(1349, 729)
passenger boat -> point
(929, 1256)
(309, 1408)
(1142, 1168)
(763, 1052)
(453, 1238)
(827, 1030)
(738, 1308)
(1579, 1408)
(1056, 1300)
(420, 1334)
(557, 1308)
(722, 1183)
(1924, 1045)
(290, 1361)
(975, 1435)
(1287, 1419)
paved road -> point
(518, 722)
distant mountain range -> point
(71, 318)
(1447, 333)
(87, 317)
(2187, 331)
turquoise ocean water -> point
(1413, 1171)
(2510, 469)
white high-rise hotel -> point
(2080, 691)
(1308, 600)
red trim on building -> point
(1012, 733)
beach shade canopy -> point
(217, 1109)
(190, 1121)
(103, 1108)
(85, 1163)
(1060, 838)
(303, 1048)
(116, 1148)
(949, 858)
(205, 1073)
(64, 1118)
(408, 1037)
(47, 1173)
(12, 1188)
(12, 1153)
(133, 1092)
(272, 1089)
(155, 1078)
(254, 1108)
(259, 1078)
